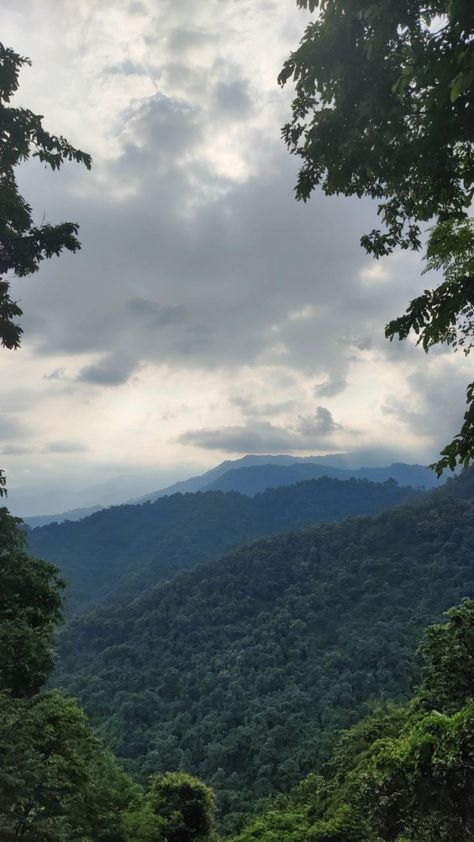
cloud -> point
(313, 432)
(233, 98)
(15, 450)
(56, 374)
(154, 314)
(11, 427)
(330, 386)
(320, 424)
(198, 269)
(109, 371)
(252, 409)
(433, 402)
(64, 447)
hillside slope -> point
(124, 549)
(242, 670)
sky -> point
(208, 314)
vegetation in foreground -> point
(58, 783)
(403, 774)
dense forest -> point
(58, 783)
(123, 550)
(242, 670)
(403, 773)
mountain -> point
(268, 471)
(251, 480)
(72, 514)
(243, 669)
(123, 550)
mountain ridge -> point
(120, 551)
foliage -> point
(23, 244)
(406, 776)
(30, 608)
(57, 783)
(384, 96)
(242, 670)
(123, 550)
(185, 805)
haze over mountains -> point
(248, 475)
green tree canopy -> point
(403, 774)
(383, 108)
(57, 782)
(23, 245)
(185, 806)
(30, 608)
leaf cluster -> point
(383, 108)
(384, 95)
(23, 244)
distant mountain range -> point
(252, 474)
(72, 514)
(123, 550)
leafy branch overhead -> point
(383, 108)
(23, 245)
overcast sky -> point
(208, 314)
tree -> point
(23, 245)
(403, 774)
(185, 806)
(57, 782)
(30, 608)
(384, 97)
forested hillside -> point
(58, 783)
(123, 550)
(402, 773)
(242, 670)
